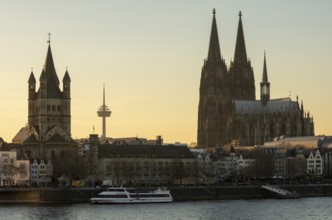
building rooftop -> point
(272, 106)
(157, 151)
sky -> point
(150, 54)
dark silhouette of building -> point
(228, 111)
(48, 132)
(49, 107)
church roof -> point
(30, 140)
(57, 138)
(21, 135)
(272, 106)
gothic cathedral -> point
(228, 111)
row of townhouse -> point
(227, 165)
(279, 162)
(315, 163)
(41, 172)
(22, 172)
(298, 165)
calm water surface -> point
(305, 208)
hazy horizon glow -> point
(149, 54)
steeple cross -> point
(214, 11)
(49, 38)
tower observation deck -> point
(104, 112)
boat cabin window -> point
(116, 190)
(150, 195)
(114, 196)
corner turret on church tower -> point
(265, 85)
(32, 86)
(66, 85)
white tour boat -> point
(125, 195)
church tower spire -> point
(214, 47)
(213, 94)
(240, 47)
(241, 72)
(49, 75)
(265, 85)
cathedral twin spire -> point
(240, 48)
(214, 47)
(240, 75)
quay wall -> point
(82, 195)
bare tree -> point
(8, 170)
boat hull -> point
(128, 201)
(121, 195)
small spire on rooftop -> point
(265, 79)
(49, 38)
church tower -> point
(213, 89)
(49, 107)
(265, 85)
(242, 74)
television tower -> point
(104, 112)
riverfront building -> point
(41, 172)
(12, 170)
(228, 110)
(142, 164)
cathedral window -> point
(53, 108)
(48, 108)
(59, 108)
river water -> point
(304, 208)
